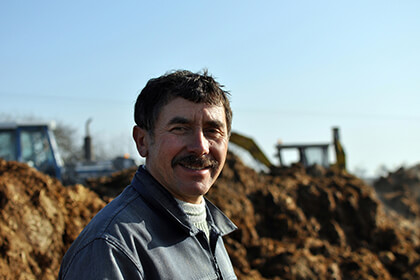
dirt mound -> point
(400, 191)
(109, 187)
(39, 219)
(299, 224)
(312, 224)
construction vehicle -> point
(35, 144)
(31, 143)
(311, 154)
(80, 171)
(308, 154)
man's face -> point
(188, 149)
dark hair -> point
(195, 87)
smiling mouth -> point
(193, 167)
(195, 163)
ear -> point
(141, 137)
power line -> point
(87, 98)
(358, 115)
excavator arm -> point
(250, 145)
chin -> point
(197, 189)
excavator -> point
(308, 154)
(35, 144)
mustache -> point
(199, 161)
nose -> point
(198, 143)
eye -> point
(179, 129)
(213, 132)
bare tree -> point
(66, 137)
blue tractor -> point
(31, 143)
(35, 144)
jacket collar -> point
(160, 198)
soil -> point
(295, 224)
(39, 219)
(400, 191)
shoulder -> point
(99, 258)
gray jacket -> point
(144, 234)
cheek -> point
(170, 148)
(220, 151)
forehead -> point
(194, 112)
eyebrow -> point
(178, 120)
(214, 123)
(182, 120)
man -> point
(161, 226)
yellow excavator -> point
(309, 154)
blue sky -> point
(295, 69)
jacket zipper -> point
(213, 256)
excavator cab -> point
(31, 143)
(310, 154)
